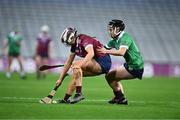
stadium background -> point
(153, 23)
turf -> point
(150, 98)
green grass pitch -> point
(150, 98)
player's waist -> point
(134, 66)
(102, 56)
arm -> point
(119, 52)
(20, 39)
(67, 65)
(5, 45)
(89, 56)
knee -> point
(77, 71)
(108, 78)
(77, 76)
(111, 76)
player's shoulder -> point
(40, 35)
(11, 34)
(83, 36)
(126, 36)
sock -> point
(118, 94)
(56, 87)
(66, 97)
(50, 96)
(78, 89)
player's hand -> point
(101, 50)
(58, 82)
(75, 66)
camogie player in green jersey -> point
(122, 44)
(13, 42)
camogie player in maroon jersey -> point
(92, 63)
(42, 49)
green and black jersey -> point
(14, 43)
(132, 56)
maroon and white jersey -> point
(83, 42)
(43, 44)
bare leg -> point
(19, 58)
(113, 77)
(75, 83)
(45, 61)
(8, 73)
(76, 80)
(38, 64)
(89, 69)
(22, 72)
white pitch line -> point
(23, 98)
(88, 100)
(19, 98)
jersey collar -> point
(121, 34)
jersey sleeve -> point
(20, 38)
(126, 42)
(109, 45)
(87, 42)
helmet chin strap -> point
(115, 31)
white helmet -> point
(45, 28)
(68, 36)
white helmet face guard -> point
(68, 36)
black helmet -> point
(117, 23)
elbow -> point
(92, 54)
(121, 54)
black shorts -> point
(14, 54)
(137, 73)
